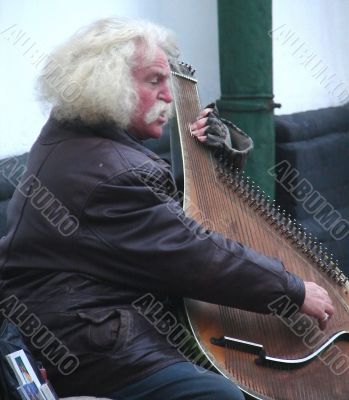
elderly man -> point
(88, 237)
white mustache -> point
(160, 108)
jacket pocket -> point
(107, 329)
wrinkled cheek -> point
(138, 115)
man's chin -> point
(156, 134)
(156, 128)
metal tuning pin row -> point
(220, 173)
(303, 240)
(250, 192)
(325, 261)
(187, 69)
(234, 179)
(245, 188)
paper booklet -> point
(30, 387)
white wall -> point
(311, 53)
(38, 25)
(310, 39)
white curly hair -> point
(89, 76)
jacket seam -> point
(129, 168)
(22, 210)
(230, 252)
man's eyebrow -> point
(159, 72)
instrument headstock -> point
(183, 69)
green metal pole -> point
(246, 79)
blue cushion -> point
(316, 144)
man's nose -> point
(166, 95)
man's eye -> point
(154, 81)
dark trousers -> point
(181, 381)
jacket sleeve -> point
(154, 247)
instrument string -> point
(246, 224)
(235, 206)
(227, 353)
(194, 166)
(199, 167)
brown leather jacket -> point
(93, 226)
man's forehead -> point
(157, 63)
(155, 67)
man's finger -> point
(204, 112)
(199, 132)
(200, 123)
(325, 318)
(323, 324)
(329, 309)
(202, 138)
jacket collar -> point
(58, 131)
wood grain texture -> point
(240, 219)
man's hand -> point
(198, 128)
(317, 303)
(224, 138)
